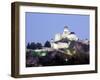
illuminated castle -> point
(57, 42)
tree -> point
(28, 46)
(39, 46)
(47, 44)
(33, 45)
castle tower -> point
(52, 43)
(58, 37)
(65, 32)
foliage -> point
(28, 46)
(47, 44)
(38, 46)
(34, 46)
(40, 53)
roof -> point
(72, 33)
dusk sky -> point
(41, 27)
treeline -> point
(38, 45)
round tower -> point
(58, 37)
(52, 43)
(66, 28)
(66, 32)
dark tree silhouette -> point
(33, 46)
(39, 46)
(47, 44)
(28, 46)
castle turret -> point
(66, 32)
(58, 37)
(52, 43)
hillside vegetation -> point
(77, 53)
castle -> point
(62, 40)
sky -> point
(41, 27)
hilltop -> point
(65, 49)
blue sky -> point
(41, 27)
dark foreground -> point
(58, 57)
